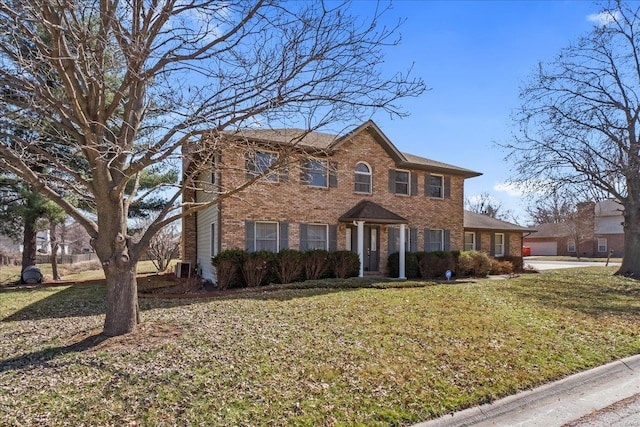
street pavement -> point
(608, 395)
(551, 265)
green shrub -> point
(288, 266)
(316, 264)
(433, 265)
(411, 270)
(228, 266)
(257, 268)
(345, 264)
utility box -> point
(183, 270)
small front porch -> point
(365, 223)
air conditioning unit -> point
(183, 269)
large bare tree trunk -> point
(631, 261)
(122, 314)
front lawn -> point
(355, 356)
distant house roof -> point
(478, 221)
(551, 230)
(369, 211)
(328, 143)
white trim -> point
(602, 245)
(473, 243)
(370, 175)
(255, 234)
(327, 176)
(501, 253)
(408, 182)
(326, 236)
(441, 186)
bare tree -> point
(485, 204)
(579, 121)
(164, 246)
(128, 84)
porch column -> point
(360, 225)
(401, 271)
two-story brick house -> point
(352, 192)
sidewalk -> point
(558, 403)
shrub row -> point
(236, 268)
(433, 265)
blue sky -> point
(474, 55)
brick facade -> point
(294, 202)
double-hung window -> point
(435, 240)
(469, 241)
(317, 236)
(401, 182)
(266, 236)
(362, 178)
(436, 186)
(259, 162)
(499, 244)
(571, 246)
(602, 244)
(319, 173)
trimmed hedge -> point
(433, 265)
(236, 268)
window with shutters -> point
(436, 186)
(401, 183)
(499, 244)
(317, 236)
(363, 178)
(434, 240)
(469, 241)
(266, 236)
(259, 162)
(317, 173)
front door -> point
(371, 245)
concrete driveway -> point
(551, 265)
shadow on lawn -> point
(89, 299)
(43, 357)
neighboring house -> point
(597, 231)
(496, 237)
(353, 192)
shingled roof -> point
(330, 143)
(478, 221)
(369, 211)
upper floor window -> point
(362, 178)
(259, 162)
(436, 186)
(399, 182)
(319, 173)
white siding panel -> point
(543, 248)
(609, 225)
(203, 245)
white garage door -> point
(543, 248)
